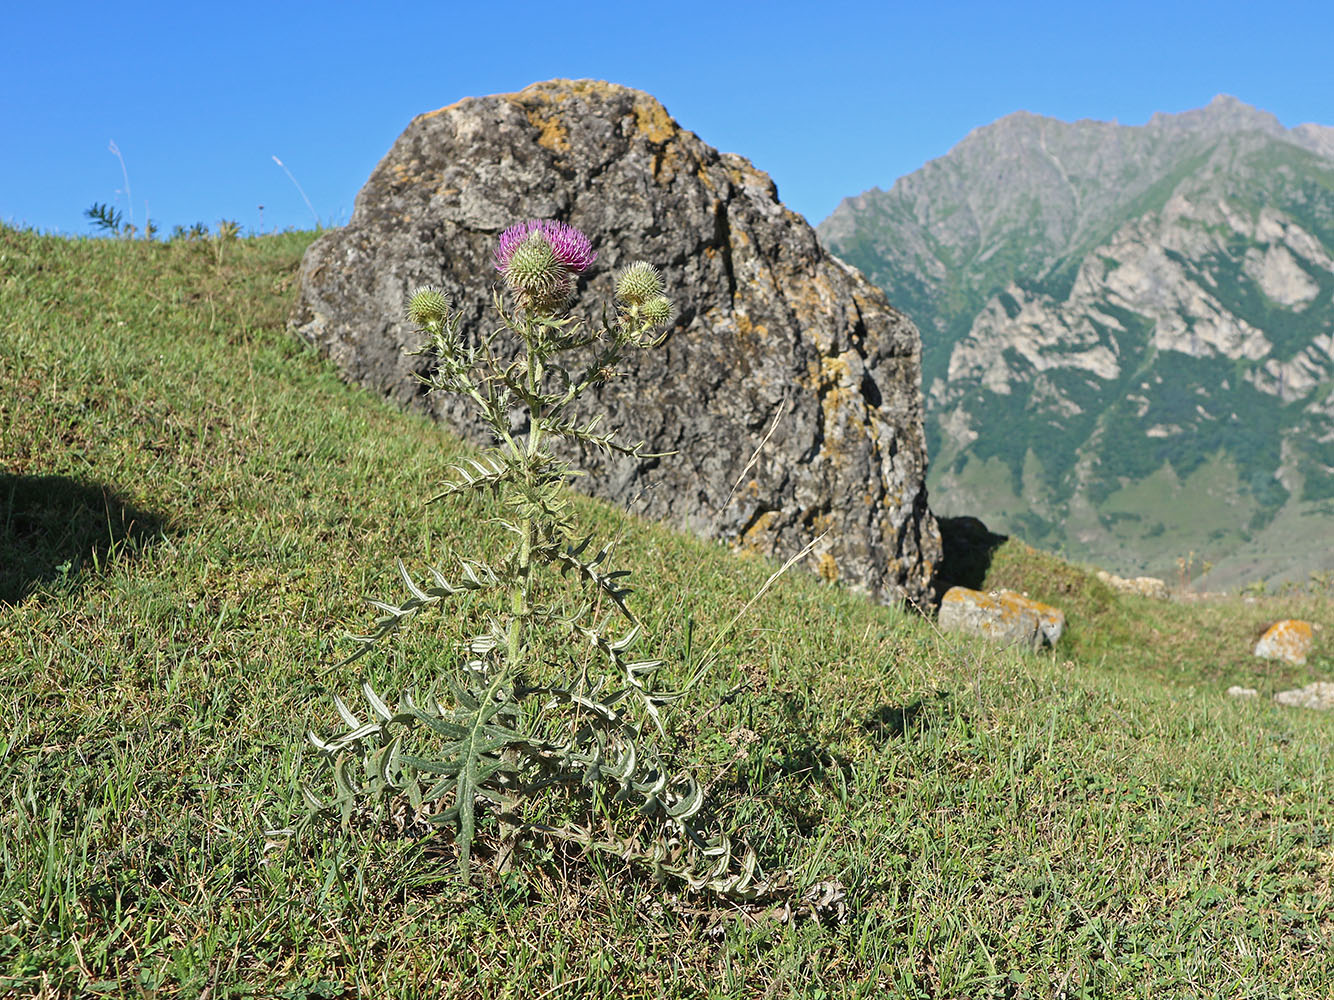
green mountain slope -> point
(1128, 333)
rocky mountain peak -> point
(1319, 139)
(1113, 315)
(1224, 114)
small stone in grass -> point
(1001, 616)
(1319, 695)
(1289, 640)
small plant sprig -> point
(229, 231)
(196, 232)
(548, 712)
(109, 220)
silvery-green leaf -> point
(446, 767)
(449, 817)
(342, 779)
(413, 589)
(626, 640)
(437, 790)
(374, 700)
(686, 807)
(445, 727)
(360, 733)
(311, 799)
(346, 713)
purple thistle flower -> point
(571, 246)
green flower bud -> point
(638, 283)
(657, 311)
(428, 305)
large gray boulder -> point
(767, 319)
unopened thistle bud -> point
(657, 311)
(638, 283)
(428, 306)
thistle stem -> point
(521, 598)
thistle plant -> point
(544, 723)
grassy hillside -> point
(191, 506)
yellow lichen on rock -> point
(406, 175)
(542, 103)
(827, 567)
(562, 89)
(665, 163)
(745, 328)
(834, 369)
(756, 535)
(447, 107)
(551, 131)
(653, 121)
(1002, 616)
(1290, 640)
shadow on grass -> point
(892, 722)
(54, 529)
(969, 546)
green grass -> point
(192, 504)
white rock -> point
(1319, 695)
(1280, 276)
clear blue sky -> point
(830, 97)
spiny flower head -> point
(657, 311)
(533, 266)
(537, 277)
(427, 305)
(638, 283)
(571, 247)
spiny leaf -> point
(373, 699)
(413, 589)
(450, 768)
(312, 800)
(480, 476)
(346, 713)
(689, 805)
(477, 576)
(569, 559)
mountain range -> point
(1128, 334)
